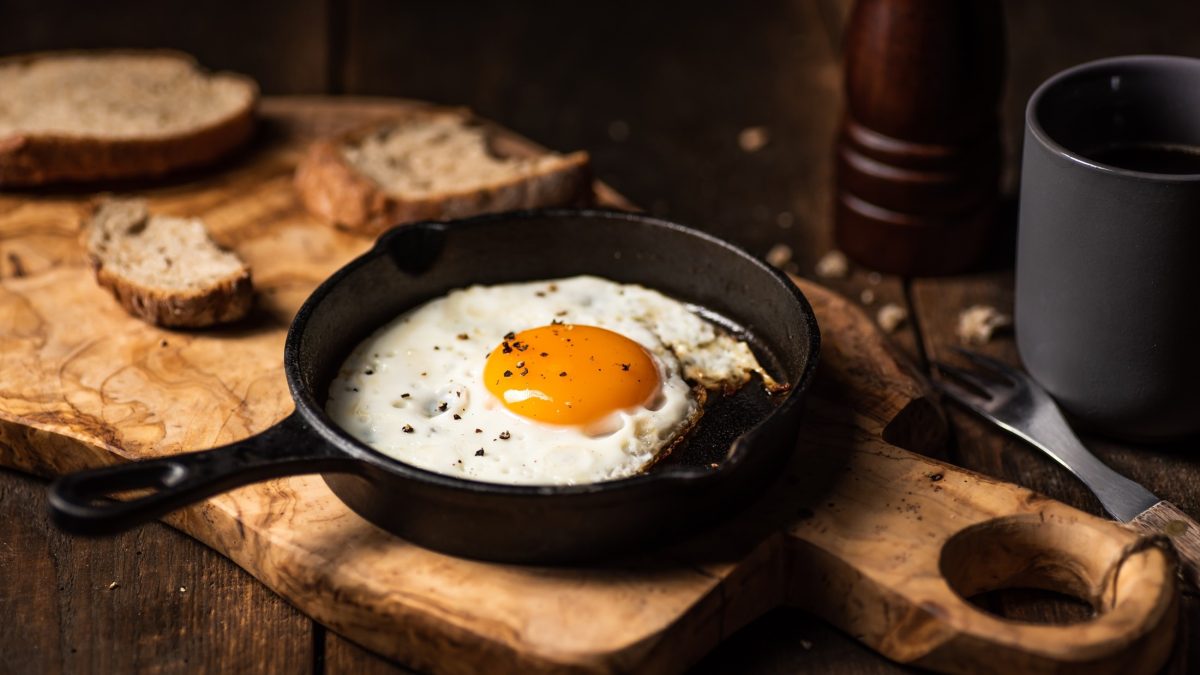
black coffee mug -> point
(1108, 253)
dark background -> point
(658, 93)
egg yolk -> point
(570, 374)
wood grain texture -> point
(343, 657)
(95, 385)
(1167, 520)
(109, 605)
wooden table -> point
(660, 98)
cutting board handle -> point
(891, 558)
(80, 503)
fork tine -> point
(998, 368)
(967, 377)
(962, 395)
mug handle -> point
(81, 503)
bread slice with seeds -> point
(101, 115)
(166, 270)
(433, 164)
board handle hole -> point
(1025, 570)
(1034, 605)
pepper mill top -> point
(918, 157)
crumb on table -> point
(833, 265)
(977, 323)
(891, 316)
(753, 139)
(779, 255)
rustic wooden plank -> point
(343, 657)
(148, 600)
(282, 44)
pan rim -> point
(313, 412)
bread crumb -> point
(891, 316)
(867, 296)
(779, 255)
(753, 139)
(113, 585)
(833, 265)
(785, 220)
(182, 589)
(618, 130)
(977, 323)
(874, 278)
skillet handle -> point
(81, 503)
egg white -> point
(414, 389)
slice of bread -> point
(85, 116)
(166, 270)
(432, 164)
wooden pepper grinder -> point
(918, 157)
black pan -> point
(738, 447)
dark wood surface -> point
(658, 92)
(284, 44)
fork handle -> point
(1166, 519)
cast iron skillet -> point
(747, 438)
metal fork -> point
(1013, 401)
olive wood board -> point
(875, 539)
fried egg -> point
(555, 382)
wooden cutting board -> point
(866, 534)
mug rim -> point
(1034, 126)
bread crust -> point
(224, 301)
(228, 300)
(28, 160)
(333, 189)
